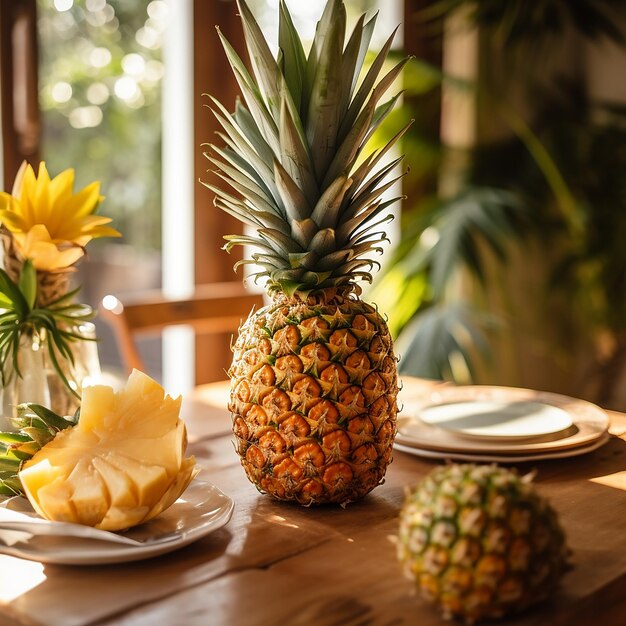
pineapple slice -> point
(122, 464)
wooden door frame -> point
(212, 75)
(21, 119)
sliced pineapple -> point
(123, 464)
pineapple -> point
(314, 381)
(119, 465)
(480, 542)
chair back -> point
(213, 309)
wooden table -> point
(278, 563)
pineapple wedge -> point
(121, 465)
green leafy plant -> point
(439, 331)
(552, 181)
(56, 325)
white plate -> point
(588, 422)
(509, 458)
(492, 418)
(201, 510)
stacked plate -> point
(499, 424)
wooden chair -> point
(213, 308)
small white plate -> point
(493, 418)
(509, 458)
(201, 510)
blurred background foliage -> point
(549, 191)
(100, 76)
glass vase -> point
(40, 382)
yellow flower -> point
(49, 223)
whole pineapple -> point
(480, 542)
(314, 379)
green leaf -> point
(10, 485)
(28, 283)
(42, 437)
(250, 92)
(293, 58)
(257, 143)
(264, 65)
(283, 243)
(322, 122)
(365, 89)
(366, 38)
(56, 343)
(370, 163)
(381, 113)
(245, 240)
(346, 156)
(9, 465)
(295, 156)
(378, 177)
(334, 260)
(13, 293)
(324, 242)
(322, 30)
(296, 204)
(237, 210)
(248, 153)
(241, 164)
(349, 63)
(442, 342)
(303, 231)
(298, 260)
(367, 199)
(64, 299)
(251, 216)
(50, 418)
(327, 212)
(11, 438)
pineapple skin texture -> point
(480, 543)
(313, 398)
(120, 466)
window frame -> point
(21, 118)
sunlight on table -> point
(617, 480)
(18, 577)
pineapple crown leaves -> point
(37, 426)
(294, 151)
(21, 316)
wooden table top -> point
(278, 563)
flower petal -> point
(26, 196)
(86, 201)
(11, 216)
(41, 201)
(17, 183)
(45, 255)
(61, 186)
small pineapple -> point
(314, 380)
(480, 542)
(120, 464)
